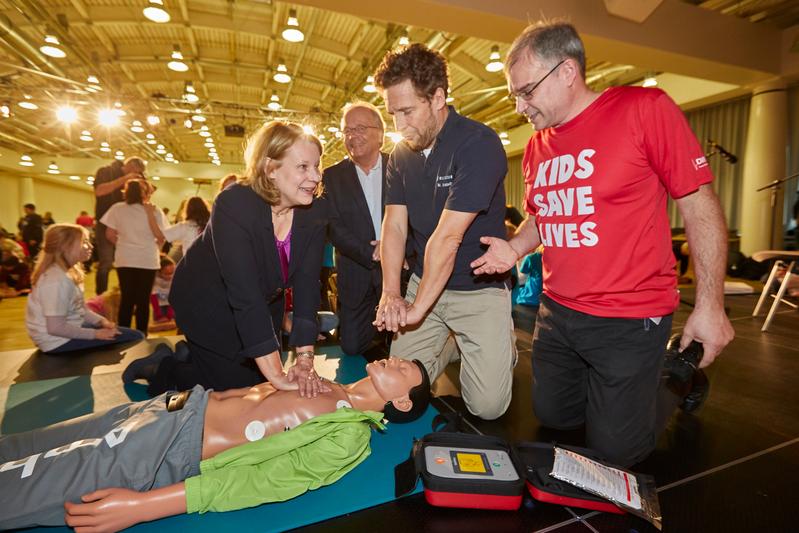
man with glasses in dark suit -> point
(355, 188)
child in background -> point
(531, 281)
(163, 314)
(56, 316)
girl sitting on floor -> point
(56, 316)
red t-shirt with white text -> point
(597, 187)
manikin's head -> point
(403, 384)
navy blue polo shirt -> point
(464, 172)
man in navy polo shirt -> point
(444, 191)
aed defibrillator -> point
(466, 470)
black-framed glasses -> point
(360, 130)
(527, 94)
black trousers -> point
(356, 331)
(204, 367)
(603, 373)
(135, 286)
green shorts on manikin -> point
(318, 452)
(480, 321)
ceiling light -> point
(74, 178)
(308, 129)
(52, 168)
(153, 120)
(118, 109)
(51, 47)
(503, 137)
(104, 146)
(136, 127)
(151, 141)
(108, 117)
(649, 81)
(205, 134)
(25, 160)
(370, 85)
(66, 114)
(161, 147)
(155, 12)
(188, 123)
(282, 74)
(292, 32)
(93, 79)
(494, 62)
(177, 63)
(216, 162)
(274, 103)
(5, 111)
(211, 150)
(150, 136)
(404, 40)
(332, 129)
(198, 118)
(27, 103)
(161, 151)
(209, 144)
(86, 135)
(190, 94)
(156, 178)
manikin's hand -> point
(376, 252)
(391, 312)
(711, 328)
(105, 510)
(500, 257)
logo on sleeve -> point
(699, 162)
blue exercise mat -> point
(26, 406)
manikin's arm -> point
(116, 509)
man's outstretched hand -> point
(500, 257)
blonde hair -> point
(58, 239)
(271, 141)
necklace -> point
(284, 212)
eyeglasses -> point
(360, 130)
(527, 94)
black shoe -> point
(682, 365)
(700, 387)
(182, 353)
(146, 367)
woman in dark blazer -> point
(264, 240)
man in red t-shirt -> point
(598, 172)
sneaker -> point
(146, 367)
(700, 388)
(182, 353)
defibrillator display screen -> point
(470, 462)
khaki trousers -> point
(480, 322)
